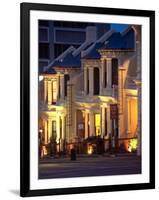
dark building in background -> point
(57, 36)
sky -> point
(119, 27)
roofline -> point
(103, 39)
(68, 50)
(124, 32)
(111, 49)
(62, 67)
(90, 58)
(45, 74)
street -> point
(89, 166)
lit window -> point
(114, 71)
(66, 79)
(97, 125)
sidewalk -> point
(66, 158)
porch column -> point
(45, 132)
(92, 127)
(54, 90)
(57, 127)
(62, 86)
(49, 129)
(86, 125)
(85, 80)
(63, 131)
(45, 90)
(57, 86)
(91, 81)
(102, 76)
(49, 92)
(103, 121)
(121, 98)
(109, 73)
(109, 121)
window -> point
(105, 111)
(43, 34)
(114, 71)
(69, 36)
(54, 129)
(72, 24)
(96, 81)
(87, 81)
(44, 50)
(105, 73)
(97, 125)
(66, 79)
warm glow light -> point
(43, 152)
(132, 146)
(40, 130)
(132, 116)
(97, 124)
(41, 78)
(90, 149)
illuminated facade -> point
(93, 92)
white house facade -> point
(90, 97)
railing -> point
(110, 146)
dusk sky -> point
(119, 27)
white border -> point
(86, 181)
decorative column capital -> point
(45, 79)
(122, 68)
(49, 118)
(103, 59)
(63, 116)
(108, 59)
(62, 75)
(49, 81)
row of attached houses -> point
(93, 92)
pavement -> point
(89, 165)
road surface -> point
(89, 166)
